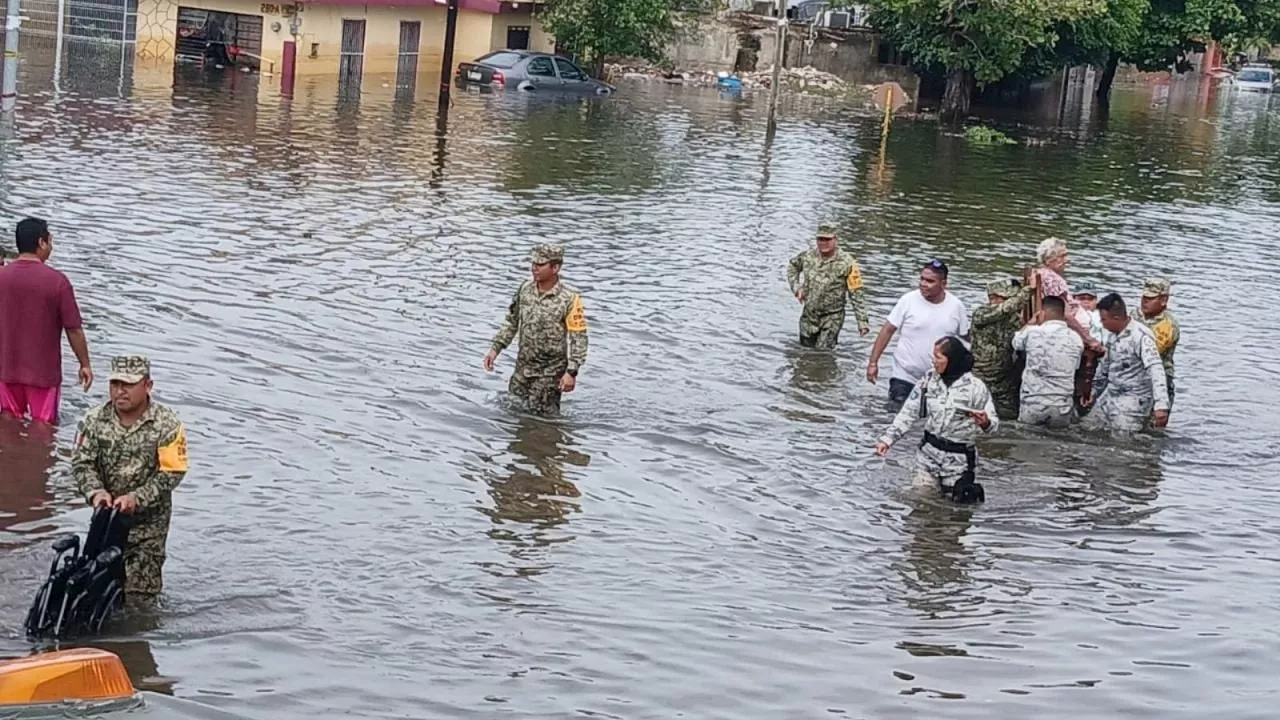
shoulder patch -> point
(1163, 332)
(576, 319)
(854, 281)
(173, 457)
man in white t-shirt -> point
(924, 316)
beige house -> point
(333, 36)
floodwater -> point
(368, 531)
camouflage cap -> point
(546, 253)
(826, 231)
(1155, 287)
(1004, 287)
(129, 369)
(1085, 287)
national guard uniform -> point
(1164, 328)
(147, 459)
(1053, 351)
(1130, 384)
(993, 328)
(947, 450)
(552, 332)
(828, 282)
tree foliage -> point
(597, 29)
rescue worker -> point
(956, 407)
(551, 324)
(1130, 385)
(993, 328)
(823, 280)
(1164, 327)
(1053, 353)
(131, 453)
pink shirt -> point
(1052, 285)
(36, 305)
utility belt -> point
(969, 451)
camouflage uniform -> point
(552, 328)
(1053, 353)
(147, 460)
(993, 328)
(1164, 327)
(945, 419)
(1130, 383)
(828, 282)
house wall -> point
(321, 28)
(539, 39)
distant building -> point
(333, 36)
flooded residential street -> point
(368, 531)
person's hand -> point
(568, 383)
(800, 295)
(1160, 419)
(882, 449)
(126, 504)
(1087, 400)
(863, 330)
(86, 377)
(488, 360)
(873, 372)
(1094, 346)
(1038, 318)
(981, 418)
(100, 499)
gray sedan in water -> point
(524, 70)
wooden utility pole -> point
(780, 54)
(446, 62)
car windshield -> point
(500, 59)
(1255, 75)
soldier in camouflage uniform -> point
(830, 276)
(551, 324)
(1130, 386)
(1164, 327)
(1053, 352)
(994, 325)
(131, 453)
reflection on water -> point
(315, 278)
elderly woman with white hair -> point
(1052, 254)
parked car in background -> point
(1259, 78)
(524, 70)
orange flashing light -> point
(66, 675)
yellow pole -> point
(884, 129)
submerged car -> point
(524, 70)
(1256, 78)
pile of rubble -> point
(805, 79)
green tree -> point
(600, 29)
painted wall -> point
(539, 39)
(321, 30)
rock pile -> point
(803, 79)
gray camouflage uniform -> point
(1130, 383)
(1049, 380)
(947, 420)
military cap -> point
(1155, 287)
(129, 369)
(1085, 287)
(826, 231)
(1004, 287)
(546, 253)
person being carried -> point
(131, 453)
(1053, 355)
(551, 324)
(994, 326)
(924, 316)
(1130, 387)
(823, 280)
(956, 408)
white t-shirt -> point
(920, 324)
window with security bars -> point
(351, 58)
(407, 61)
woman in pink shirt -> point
(1052, 254)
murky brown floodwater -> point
(367, 531)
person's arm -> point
(904, 420)
(1155, 372)
(794, 268)
(575, 326)
(1166, 334)
(877, 349)
(988, 409)
(84, 461)
(857, 300)
(1100, 378)
(506, 333)
(1020, 338)
(171, 468)
(73, 325)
